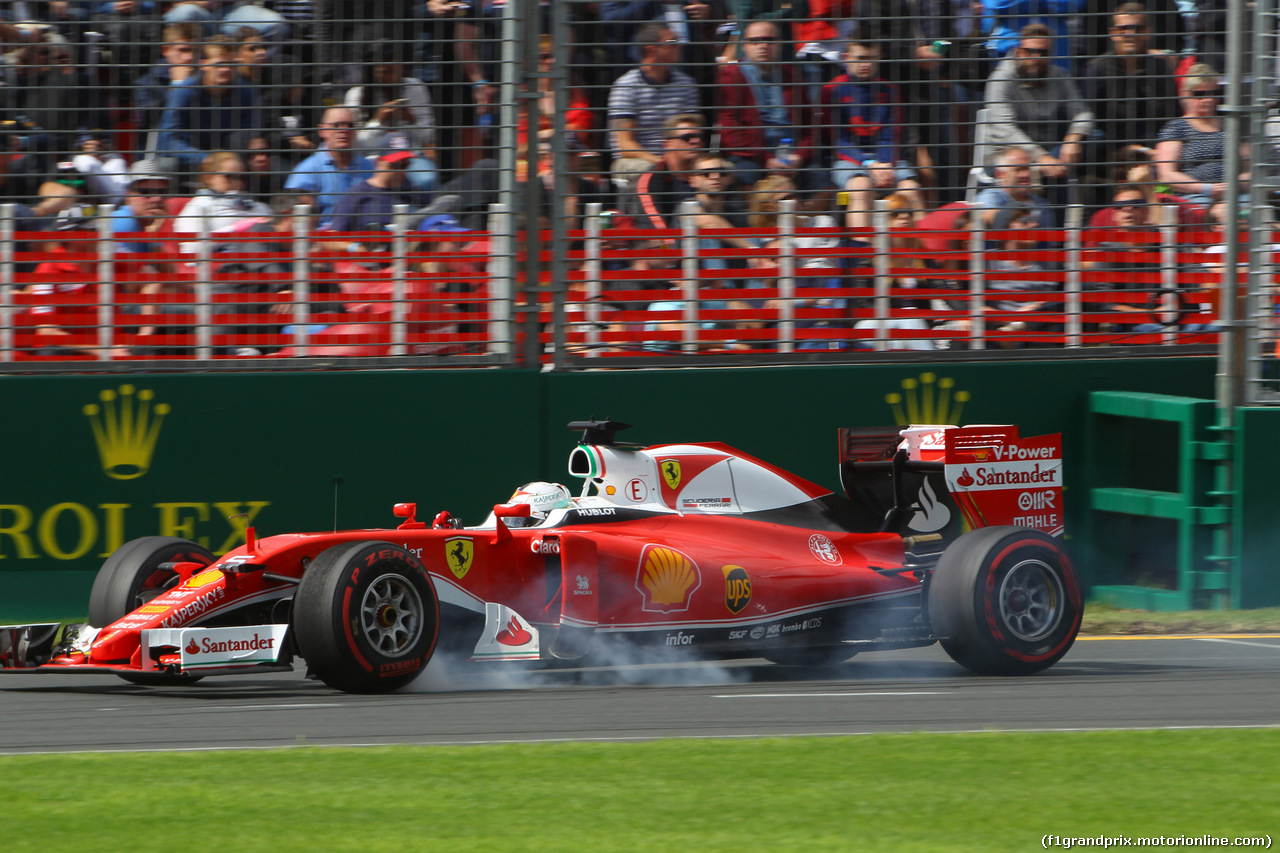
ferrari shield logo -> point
(458, 553)
(671, 473)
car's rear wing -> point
(949, 479)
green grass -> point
(910, 792)
(1101, 619)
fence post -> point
(204, 290)
(501, 279)
(880, 224)
(689, 276)
(301, 278)
(787, 276)
(6, 282)
(1170, 296)
(591, 269)
(106, 283)
(977, 283)
(1073, 302)
(399, 269)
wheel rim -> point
(391, 615)
(1031, 600)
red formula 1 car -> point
(947, 534)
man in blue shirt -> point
(1014, 187)
(324, 177)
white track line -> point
(828, 695)
(1272, 646)
(303, 742)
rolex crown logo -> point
(927, 400)
(126, 427)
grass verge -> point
(1102, 619)
(913, 792)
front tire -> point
(134, 574)
(1005, 601)
(366, 617)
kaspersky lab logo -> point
(927, 400)
(126, 426)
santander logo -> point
(214, 646)
(514, 634)
(932, 514)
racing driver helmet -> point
(542, 498)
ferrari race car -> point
(946, 534)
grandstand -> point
(249, 184)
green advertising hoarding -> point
(94, 461)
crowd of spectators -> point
(216, 114)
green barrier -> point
(1255, 531)
(1184, 467)
(93, 461)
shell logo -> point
(666, 579)
(204, 579)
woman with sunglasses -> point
(221, 198)
(1190, 150)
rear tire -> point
(366, 617)
(1005, 601)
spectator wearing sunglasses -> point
(761, 102)
(660, 190)
(1127, 263)
(1190, 149)
(1131, 88)
(221, 199)
(321, 179)
(1034, 104)
(717, 204)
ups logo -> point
(737, 588)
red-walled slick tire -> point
(1005, 601)
(366, 617)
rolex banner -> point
(93, 462)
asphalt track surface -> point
(1103, 683)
